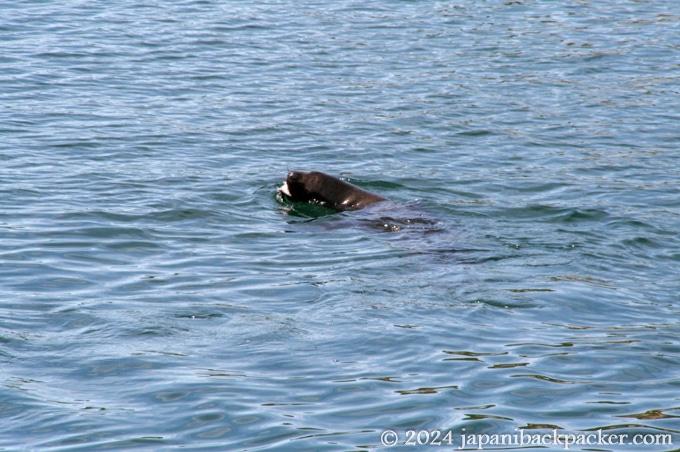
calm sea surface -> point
(524, 280)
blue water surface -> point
(155, 293)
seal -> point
(326, 190)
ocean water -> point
(523, 279)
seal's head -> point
(300, 187)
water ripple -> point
(522, 278)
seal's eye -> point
(293, 176)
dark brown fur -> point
(327, 190)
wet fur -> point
(326, 190)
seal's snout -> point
(284, 190)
